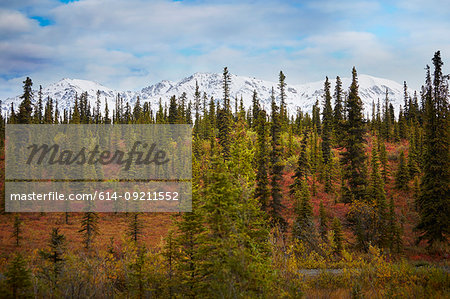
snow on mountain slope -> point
(303, 95)
(370, 89)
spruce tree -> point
(406, 100)
(383, 160)
(354, 158)
(18, 278)
(182, 111)
(283, 107)
(170, 254)
(89, 228)
(402, 176)
(106, 119)
(25, 108)
(236, 236)
(255, 109)
(302, 167)
(316, 117)
(327, 123)
(276, 171)
(160, 119)
(211, 120)
(191, 234)
(434, 223)
(39, 107)
(303, 227)
(336, 227)
(135, 227)
(12, 115)
(402, 125)
(413, 155)
(377, 196)
(315, 159)
(262, 193)
(97, 113)
(137, 110)
(387, 123)
(17, 230)
(75, 119)
(338, 111)
(197, 99)
(137, 273)
(327, 130)
(173, 111)
(224, 116)
(55, 255)
(290, 146)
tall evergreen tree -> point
(89, 228)
(191, 235)
(224, 116)
(402, 125)
(18, 278)
(137, 111)
(236, 237)
(383, 160)
(303, 227)
(173, 111)
(377, 197)
(338, 110)
(12, 115)
(106, 119)
(197, 99)
(97, 112)
(302, 167)
(394, 229)
(327, 131)
(255, 109)
(39, 107)
(402, 176)
(283, 107)
(25, 108)
(413, 154)
(387, 120)
(135, 227)
(17, 230)
(336, 227)
(434, 223)
(276, 171)
(406, 100)
(262, 193)
(354, 158)
(55, 255)
(316, 117)
(327, 123)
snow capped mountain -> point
(303, 95)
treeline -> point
(231, 243)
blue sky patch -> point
(43, 21)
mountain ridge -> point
(301, 96)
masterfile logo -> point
(103, 168)
(55, 155)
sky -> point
(128, 45)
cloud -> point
(131, 44)
(13, 22)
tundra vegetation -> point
(329, 204)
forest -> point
(327, 204)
